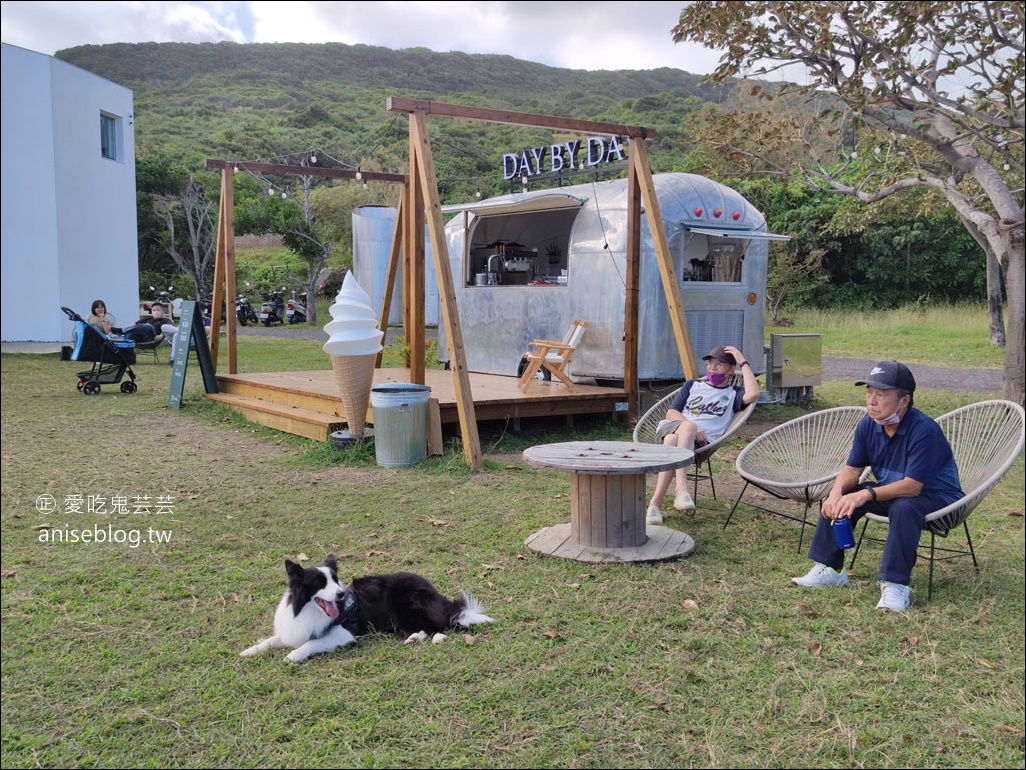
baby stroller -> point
(111, 358)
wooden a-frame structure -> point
(419, 203)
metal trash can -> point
(400, 423)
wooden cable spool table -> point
(607, 501)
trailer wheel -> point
(81, 384)
(543, 373)
(129, 387)
(91, 388)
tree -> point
(191, 222)
(937, 87)
(177, 199)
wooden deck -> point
(308, 403)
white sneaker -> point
(894, 597)
(683, 502)
(654, 515)
(821, 575)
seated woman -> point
(99, 318)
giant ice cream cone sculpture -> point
(354, 342)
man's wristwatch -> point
(872, 492)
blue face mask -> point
(716, 379)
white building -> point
(68, 230)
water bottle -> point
(844, 534)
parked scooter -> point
(295, 310)
(163, 298)
(272, 311)
(244, 309)
(207, 308)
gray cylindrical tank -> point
(373, 228)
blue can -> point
(844, 534)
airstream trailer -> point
(525, 265)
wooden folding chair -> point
(553, 357)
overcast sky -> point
(574, 35)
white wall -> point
(68, 214)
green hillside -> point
(266, 101)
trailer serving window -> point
(518, 243)
(716, 256)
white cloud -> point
(575, 35)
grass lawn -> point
(125, 654)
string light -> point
(359, 174)
(313, 158)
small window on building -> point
(109, 137)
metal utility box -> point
(796, 364)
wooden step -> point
(308, 423)
(305, 393)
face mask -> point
(894, 419)
(716, 379)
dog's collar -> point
(347, 607)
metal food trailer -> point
(525, 265)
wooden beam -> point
(393, 268)
(631, 300)
(399, 104)
(230, 289)
(425, 177)
(671, 285)
(226, 233)
(224, 276)
(413, 264)
(215, 336)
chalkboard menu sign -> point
(190, 327)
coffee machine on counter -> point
(510, 264)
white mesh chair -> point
(798, 460)
(986, 439)
(645, 433)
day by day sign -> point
(554, 158)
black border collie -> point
(318, 614)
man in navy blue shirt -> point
(915, 474)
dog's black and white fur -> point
(317, 614)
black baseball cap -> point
(888, 375)
(720, 355)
